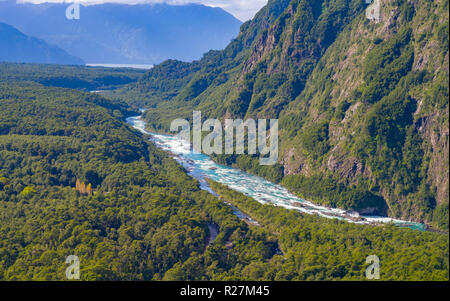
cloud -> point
(241, 9)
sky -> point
(242, 9)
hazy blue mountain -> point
(120, 33)
(18, 47)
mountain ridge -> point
(329, 125)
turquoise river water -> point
(201, 167)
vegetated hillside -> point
(166, 80)
(126, 34)
(75, 77)
(363, 104)
(76, 180)
(20, 48)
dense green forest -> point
(76, 179)
(74, 77)
(363, 109)
(361, 103)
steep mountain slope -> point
(363, 104)
(272, 66)
(18, 47)
(120, 33)
(374, 112)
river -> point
(202, 167)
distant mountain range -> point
(126, 34)
(18, 47)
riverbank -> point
(202, 167)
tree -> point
(89, 190)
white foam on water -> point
(264, 191)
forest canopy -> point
(144, 218)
